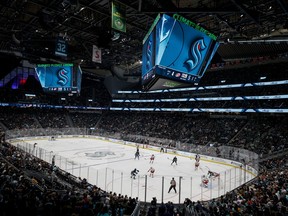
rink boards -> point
(107, 163)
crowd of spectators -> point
(37, 188)
(86, 119)
(30, 183)
(266, 195)
(248, 132)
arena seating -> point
(35, 187)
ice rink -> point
(108, 165)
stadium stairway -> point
(69, 120)
(3, 126)
(228, 143)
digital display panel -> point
(176, 49)
(59, 77)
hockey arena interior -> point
(144, 108)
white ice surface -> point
(108, 165)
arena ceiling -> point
(29, 28)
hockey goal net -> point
(51, 138)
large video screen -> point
(59, 77)
(177, 49)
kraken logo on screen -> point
(195, 50)
(62, 77)
(163, 34)
(149, 55)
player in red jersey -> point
(151, 172)
(152, 158)
(204, 181)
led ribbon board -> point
(177, 49)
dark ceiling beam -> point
(72, 28)
(247, 12)
(169, 7)
(190, 11)
(221, 19)
(167, 4)
(108, 15)
(283, 6)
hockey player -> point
(212, 175)
(174, 160)
(205, 181)
(152, 158)
(197, 163)
(162, 149)
(137, 154)
(151, 172)
(197, 157)
(134, 172)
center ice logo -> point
(99, 154)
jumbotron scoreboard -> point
(59, 77)
(176, 52)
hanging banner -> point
(61, 47)
(96, 54)
(118, 16)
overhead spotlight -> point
(227, 40)
(116, 36)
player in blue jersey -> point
(134, 172)
(174, 160)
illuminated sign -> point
(59, 77)
(176, 49)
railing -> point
(243, 156)
(143, 186)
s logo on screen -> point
(196, 55)
(62, 77)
